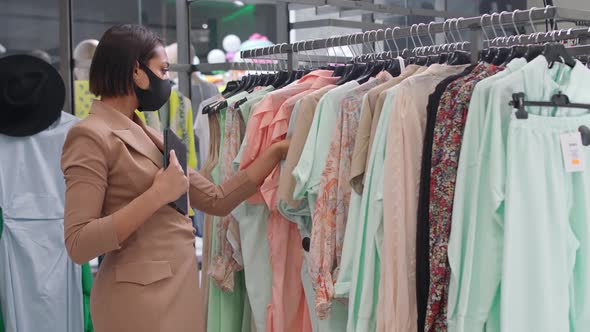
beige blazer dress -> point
(150, 281)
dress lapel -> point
(144, 147)
(133, 133)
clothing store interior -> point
(294, 166)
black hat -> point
(32, 95)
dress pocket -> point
(143, 273)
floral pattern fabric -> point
(331, 209)
(228, 256)
(448, 133)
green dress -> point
(86, 287)
(227, 311)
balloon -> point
(231, 43)
(216, 56)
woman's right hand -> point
(170, 183)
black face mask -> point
(156, 95)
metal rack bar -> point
(553, 36)
(183, 38)
(370, 7)
(520, 17)
(212, 67)
(331, 22)
(65, 52)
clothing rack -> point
(450, 26)
(252, 66)
(507, 41)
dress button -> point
(306, 242)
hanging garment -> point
(545, 219)
(361, 317)
(288, 309)
(86, 289)
(473, 128)
(308, 167)
(208, 165)
(365, 277)
(422, 232)
(253, 223)
(363, 136)
(333, 195)
(299, 125)
(435, 213)
(83, 98)
(201, 131)
(201, 91)
(355, 224)
(226, 310)
(227, 258)
(34, 261)
(485, 154)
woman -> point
(117, 193)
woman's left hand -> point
(283, 148)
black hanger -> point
(516, 51)
(533, 51)
(339, 71)
(375, 68)
(459, 58)
(370, 67)
(394, 67)
(292, 77)
(431, 59)
(231, 87)
(251, 83)
(366, 74)
(215, 107)
(281, 77)
(585, 59)
(491, 54)
(556, 52)
(353, 72)
(240, 102)
(421, 60)
(557, 100)
(500, 58)
(345, 71)
(443, 57)
(483, 54)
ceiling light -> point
(205, 26)
(238, 3)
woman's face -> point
(158, 64)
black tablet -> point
(172, 142)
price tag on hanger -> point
(571, 147)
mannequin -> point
(84, 51)
(83, 54)
(41, 55)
